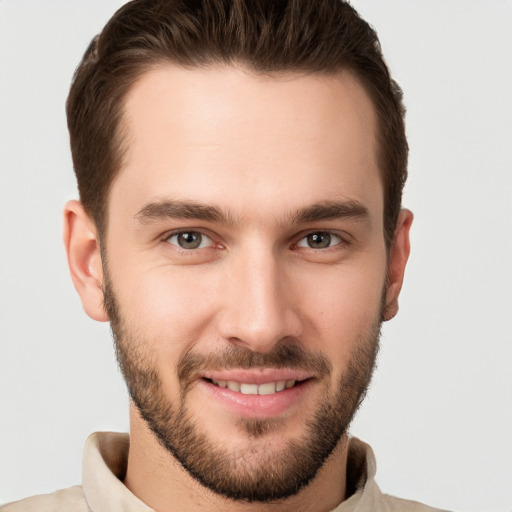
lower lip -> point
(257, 406)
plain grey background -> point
(439, 414)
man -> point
(240, 167)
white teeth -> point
(290, 384)
(267, 388)
(249, 389)
(233, 385)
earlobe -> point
(398, 256)
(84, 259)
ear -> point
(84, 259)
(398, 256)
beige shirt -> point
(104, 467)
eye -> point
(320, 240)
(190, 240)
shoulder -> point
(394, 504)
(68, 500)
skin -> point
(259, 149)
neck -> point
(156, 478)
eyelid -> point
(175, 232)
(343, 239)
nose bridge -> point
(259, 311)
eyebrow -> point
(323, 211)
(182, 210)
(331, 210)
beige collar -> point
(104, 467)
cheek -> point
(341, 307)
(170, 308)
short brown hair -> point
(267, 36)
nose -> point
(259, 307)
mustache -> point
(281, 356)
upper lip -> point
(257, 375)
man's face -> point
(247, 269)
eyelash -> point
(341, 241)
(330, 236)
(185, 250)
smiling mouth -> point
(265, 388)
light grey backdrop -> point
(439, 414)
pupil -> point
(189, 240)
(319, 240)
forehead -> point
(227, 136)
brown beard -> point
(277, 474)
